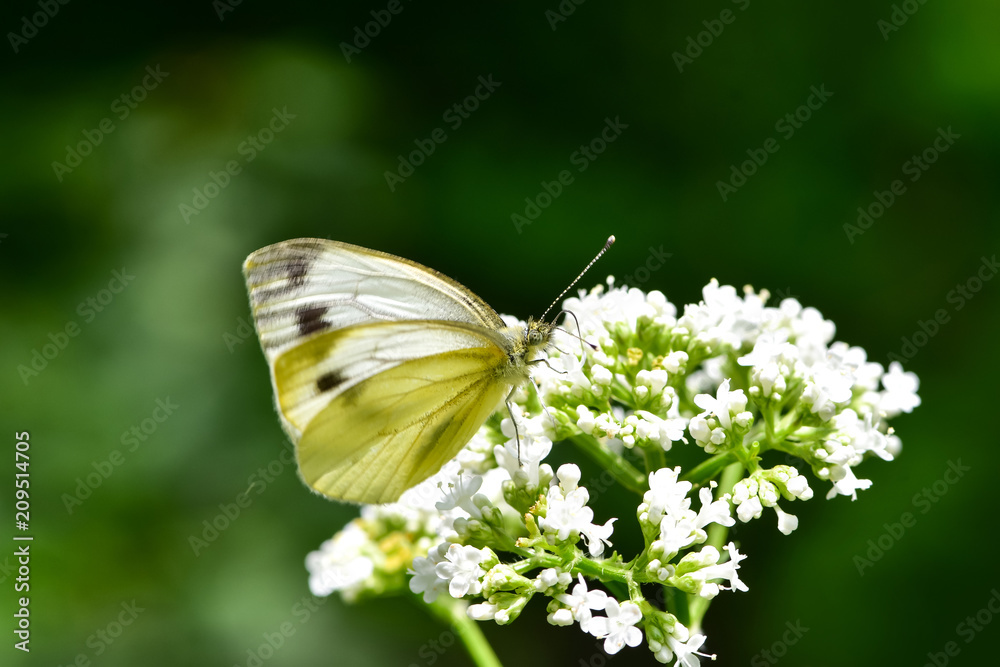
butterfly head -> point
(538, 333)
(537, 336)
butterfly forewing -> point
(305, 286)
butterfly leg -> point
(546, 362)
(513, 421)
(535, 387)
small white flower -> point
(585, 420)
(862, 435)
(724, 404)
(599, 356)
(552, 578)
(655, 380)
(770, 380)
(561, 616)
(534, 447)
(607, 425)
(461, 569)
(342, 563)
(700, 430)
(718, 511)
(900, 393)
(484, 611)
(847, 484)
(811, 332)
(786, 522)
(597, 536)
(416, 505)
(664, 431)
(767, 492)
(798, 486)
(667, 494)
(893, 445)
(618, 627)
(746, 495)
(676, 532)
(425, 578)
(602, 306)
(768, 349)
(675, 361)
(686, 652)
(569, 477)
(657, 569)
(580, 602)
(711, 570)
(568, 515)
(460, 495)
(723, 317)
(601, 375)
(772, 360)
(827, 388)
(750, 508)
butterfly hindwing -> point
(377, 408)
(408, 427)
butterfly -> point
(382, 368)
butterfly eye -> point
(534, 337)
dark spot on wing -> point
(329, 380)
(310, 320)
(297, 270)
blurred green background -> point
(176, 332)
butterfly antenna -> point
(611, 240)
(579, 334)
(583, 361)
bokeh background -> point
(177, 331)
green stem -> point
(602, 571)
(451, 612)
(709, 468)
(676, 602)
(655, 458)
(717, 534)
(615, 577)
(626, 474)
(770, 438)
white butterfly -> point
(382, 369)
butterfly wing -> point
(379, 407)
(306, 286)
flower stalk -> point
(452, 613)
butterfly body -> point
(382, 369)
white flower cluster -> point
(740, 380)
(666, 511)
(823, 397)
